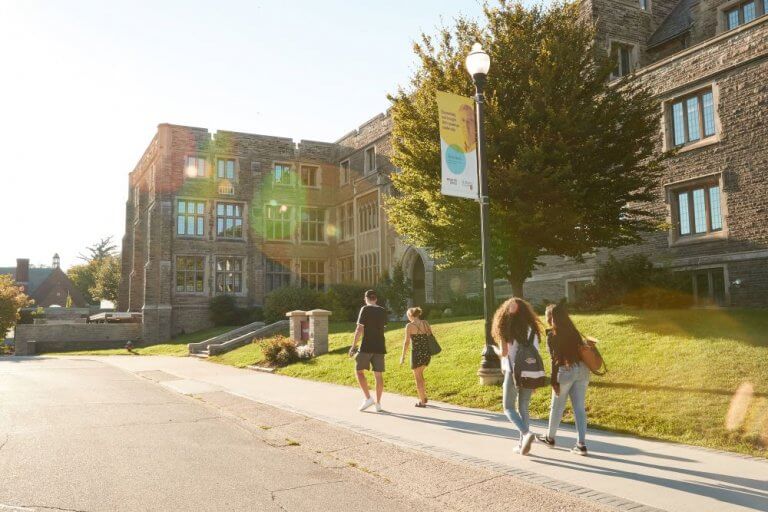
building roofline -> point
(703, 44)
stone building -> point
(706, 61)
(244, 214)
(47, 286)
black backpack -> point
(529, 368)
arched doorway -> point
(418, 282)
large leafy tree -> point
(571, 161)
(97, 278)
(12, 299)
(106, 278)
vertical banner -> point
(458, 145)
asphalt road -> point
(82, 435)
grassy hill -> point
(672, 375)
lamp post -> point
(478, 63)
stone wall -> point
(66, 337)
(735, 64)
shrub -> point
(290, 298)
(223, 310)
(461, 305)
(635, 281)
(345, 300)
(279, 351)
(432, 310)
(395, 291)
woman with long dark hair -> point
(570, 376)
(515, 323)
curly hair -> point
(508, 326)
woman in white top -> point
(513, 323)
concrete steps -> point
(236, 338)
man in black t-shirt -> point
(370, 325)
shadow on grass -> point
(651, 387)
(743, 325)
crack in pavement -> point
(35, 508)
(307, 485)
(466, 486)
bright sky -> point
(85, 84)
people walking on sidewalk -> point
(570, 376)
(516, 327)
(417, 336)
(370, 327)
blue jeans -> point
(522, 396)
(573, 383)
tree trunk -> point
(517, 286)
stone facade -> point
(310, 213)
(698, 55)
(306, 213)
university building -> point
(706, 61)
(243, 214)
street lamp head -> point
(478, 62)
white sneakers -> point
(367, 403)
(526, 442)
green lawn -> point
(174, 347)
(672, 373)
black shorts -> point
(366, 360)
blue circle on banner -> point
(456, 159)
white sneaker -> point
(378, 407)
(366, 404)
(525, 446)
(517, 449)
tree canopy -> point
(571, 160)
(12, 299)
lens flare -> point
(330, 230)
(190, 171)
(283, 208)
(740, 402)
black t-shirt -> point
(373, 319)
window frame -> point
(368, 214)
(345, 172)
(234, 168)
(705, 183)
(240, 272)
(616, 45)
(345, 220)
(682, 97)
(196, 215)
(368, 166)
(370, 267)
(313, 279)
(291, 174)
(345, 273)
(282, 221)
(314, 225)
(761, 9)
(241, 207)
(284, 271)
(198, 159)
(316, 173)
(194, 272)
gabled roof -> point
(677, 23)
(37, 276)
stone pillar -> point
(297, 321)
(318, 330)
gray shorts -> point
(366, 360)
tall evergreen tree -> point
(571, 161)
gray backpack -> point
(529, 368)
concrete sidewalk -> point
(660, 475)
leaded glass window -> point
(190, 218)
(693, 118)
(190, 274)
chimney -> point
(22, 271)
(56, 261)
